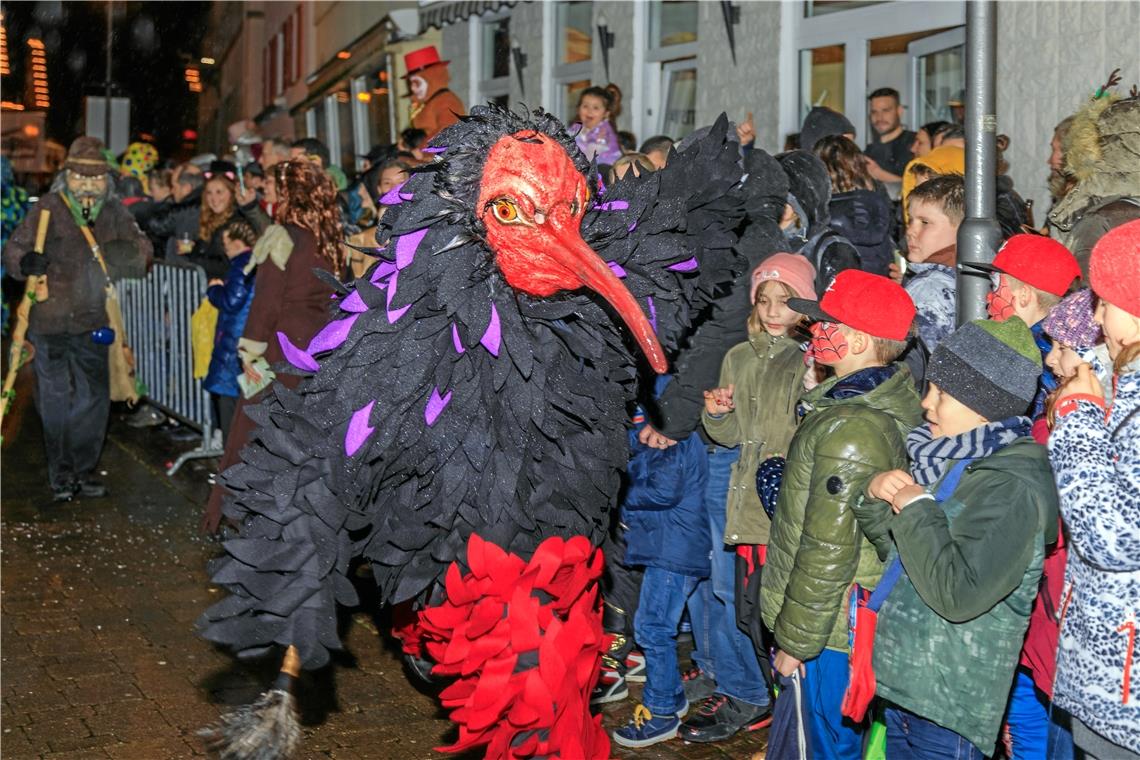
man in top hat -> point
(70, 330)
(434, 107)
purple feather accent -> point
(394, 197)
(358, 429)
(353, 303)
(633, 226)
(493, 337)
(652, 312)
(333, 334)
(613, 206)
(455, 341)
(435, 149)
(382, 270)
(435, 406)
(616, 268)
(296, 356)
(394, 314)
(406, 246)
(688, 265)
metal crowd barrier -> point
(156, 314)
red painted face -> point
(828, 343)
(531, 201)
(999, 301)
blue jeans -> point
(663, 596)
(1031, 726)
(910, 736)
(733, 659)
(833, 737)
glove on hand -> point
(33, 264)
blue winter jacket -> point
(667, 525)
(232, 300)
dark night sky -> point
(152, 43)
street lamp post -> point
(107, 82)
(979, 234)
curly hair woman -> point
(860, 209)
(220, 205)
(288, 299)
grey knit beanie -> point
(991, 367)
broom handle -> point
(290, 669)
(32, 288)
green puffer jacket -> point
(950, 633)
(816, 549)
(768, 374)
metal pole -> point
(107, 84)
(979, 234)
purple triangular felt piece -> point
(616, 268)
(332, 335)
(493, 336)
(613, 206)
(353, 302)
(394, 314)
(406, 246)
(435, 149)
(435, 406)
(688, 265)
(652, 312)
(358, 429)
(382, 270)
(296, 356)
(455, 341)
(394, 197)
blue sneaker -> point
(647, 729)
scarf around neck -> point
(931, 457)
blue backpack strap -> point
(894, 571)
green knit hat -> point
(991, 367)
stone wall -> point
(1051, 56)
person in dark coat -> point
(175, 224)
(289, 299)
(231, 297)
(220, 204)
(69, 330)
(860, 208)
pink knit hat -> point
(793, 270)
(1072, 323)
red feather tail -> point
(523, 641)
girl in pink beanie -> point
(754, 408)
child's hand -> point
(904, 496)
(746, 130)
(885, 485)
(719, 401)
(215, 281)
(895, 273)
(253, 375)
(654, 440)
(1084, 382)
(785, 664)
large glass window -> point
(496, 44)
(822, 78)
(673, 22)
(376, 95)
(321, 122)
(823, 7)
(680, 90)
(575, 33)
(345, 153)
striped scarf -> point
(931, 457)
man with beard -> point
(70, 329)
(890, 152)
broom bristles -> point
(268, 729)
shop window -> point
(493, 58)
(376, 96)
(679, 112)
(575, 31)
(673, 22)
(574, 38)
(822, 78)
(823, 7)
(344, 153)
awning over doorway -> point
(440, 14)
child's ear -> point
(858, 341)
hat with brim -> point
(85, 156)
(810, 309)
(421, 59)
(1036, 260)
(871, 303)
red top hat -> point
(418, 60)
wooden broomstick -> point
(35, 291)
(268, 729)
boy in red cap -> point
(854, 426)
(1030, 275)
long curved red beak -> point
(592, 272)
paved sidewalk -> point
(97, 651)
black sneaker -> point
(698, 685)
(720, 716)
(63, 493)
(611, 686)
(90, 489)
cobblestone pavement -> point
(98, 656)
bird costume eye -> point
(505, 211)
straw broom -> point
(35, 291)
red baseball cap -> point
(1114, 269)
(877, 305)
(1036, 260)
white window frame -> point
(482, 90)
(918, 49)
(561, 74)
(655, 63)
(853, 29)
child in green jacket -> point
(970, 520)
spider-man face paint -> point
(828, 343)
(999, 301)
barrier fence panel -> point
(156, 314)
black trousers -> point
(224, 407)
(747, 600)
(73, 398)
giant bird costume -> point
(463, 425)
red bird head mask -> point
(531, 202)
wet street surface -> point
(98, 657)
